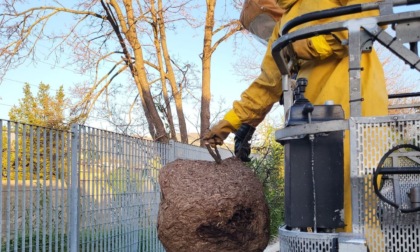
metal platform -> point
(296, 241)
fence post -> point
(74, 190)
(171, 150)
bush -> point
(44, 241)
(268, 165)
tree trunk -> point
(167, 104)
(206, 68)
(142, 83)
(176, 92)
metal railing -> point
(83, 190)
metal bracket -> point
(351, 242)
(366, 41)
(386, 7)
(408, 31)
(296, 132)
(396, 46)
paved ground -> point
(273, 247)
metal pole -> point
(171, 151)
(74, 190)
(355, 69)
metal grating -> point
(385, 228)
(119, 191)
(35, 165)
(296, 241)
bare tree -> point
(123, 36)
(208, 49)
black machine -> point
(313, 167)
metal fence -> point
(83, 190)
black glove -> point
(242, 146)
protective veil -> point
(260, 16)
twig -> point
(216, 155)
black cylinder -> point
(325, 154)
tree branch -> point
(52, 8)
(116, 28)
(237, 27)
(90, 99)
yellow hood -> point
(285, 4)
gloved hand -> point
(242, 146)
(318, 47)
(218, 133)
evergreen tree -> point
(42, 110)
(37, 144)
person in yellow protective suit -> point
(258, 17)
(325, 65)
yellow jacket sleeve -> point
(233, 119)
(257, 100)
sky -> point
(225, 83)
(185, 43)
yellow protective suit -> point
(327, 72)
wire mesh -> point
(119, 191)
